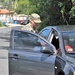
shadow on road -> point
(7, 39)
(4, 47)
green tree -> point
(49, 10)
(21, 6)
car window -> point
(28, 41)
(69, 41)
(55, 41)
(45, 33)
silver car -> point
(31, 54)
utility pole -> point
(9, 10)
(9, 7)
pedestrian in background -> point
(34, 22)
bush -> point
(1, 24)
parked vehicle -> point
(24, 22)
(31, 54)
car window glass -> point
(27, 41)
(69, 41)
(45, 33)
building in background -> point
(6, 15)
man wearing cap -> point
(34, 21)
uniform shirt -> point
(28, 27)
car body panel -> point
(29, 62)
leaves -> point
(51, 11)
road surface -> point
(4, 45)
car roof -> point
(62, 27)
(66, 27)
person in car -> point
(34, 22)
(67, 47)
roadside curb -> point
(3, 27)
(11, 25)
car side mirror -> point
(47, 50)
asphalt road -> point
(4, 45)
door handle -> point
(15, 56)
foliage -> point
(1, 24)
(21, 6)
(72, 12)
(51, 11)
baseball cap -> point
(36, 18)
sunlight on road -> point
(4, 67)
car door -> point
(26, 56)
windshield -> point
(69, 41)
